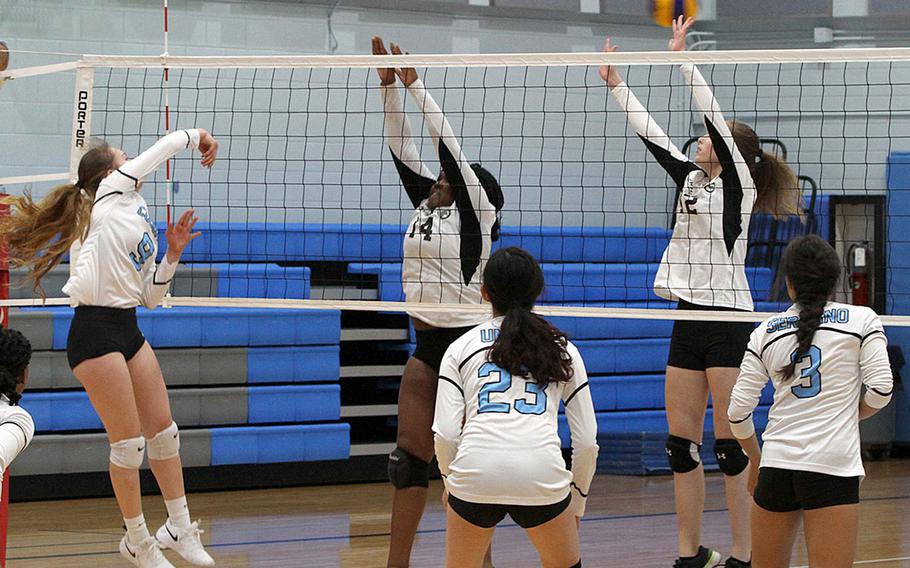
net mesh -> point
(305, 201)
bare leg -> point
(773, 535)
(416, 404)
(466, 544)
(739, 502)
(557, 541)
(106, 380)
(154, 416)
(687, 400)
(831, 535)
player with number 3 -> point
(820, 356)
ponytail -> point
(810, 316)
(530, 345)
(39, 234)
(812, 268)
(777, 187)
(527, 343)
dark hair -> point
(40, 233)
(776, 185)
(527, 343)
(813, 268)
(494, 193)
(15, 354)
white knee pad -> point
(166, 444)
(128, 453)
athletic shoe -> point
(736, 563)
(706, 558)
(146, 554)
(185, 542)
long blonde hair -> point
(776, 185)
(39, 234)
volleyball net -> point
(305, 208)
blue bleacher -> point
(276, 444)
(222, 327)
(289, 406)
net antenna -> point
(168, 182)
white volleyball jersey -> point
(446, 249)
(704, 262)
(814, 420)
(496, 434)
(16, 432)
(115, 265)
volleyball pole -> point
(4, 321)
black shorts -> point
(97, 331)
(432, 343)
(487, 515)
(700, 345)
(785, 490)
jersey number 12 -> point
(522, 405)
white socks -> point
(178, 513)
(136, 529)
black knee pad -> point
(682, 454)
(576, 565)
(407, 470)
(731, 457)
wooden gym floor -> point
(630, 522)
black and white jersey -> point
(16, 432)
(445, 249)
(704, 263)
(814, 421)
(115, 265)
(496, 434)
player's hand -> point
(753, 478)
(407, 74)
(445, 499)
(386, 74)
(180, 235)
(208, 147)
(681, 27)
(608, 72)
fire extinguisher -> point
(858, 263)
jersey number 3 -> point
(810, 379)
(522, 405)
(143, 251)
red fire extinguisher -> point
(858, 257)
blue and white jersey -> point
(814, 421)
(115, 265)
(496, 434)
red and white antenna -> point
(168, 183)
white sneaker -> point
(185, 542)
(146, 554)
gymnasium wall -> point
(558, 165)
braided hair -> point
(527, 343)
(15, 354)
(813, 268)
